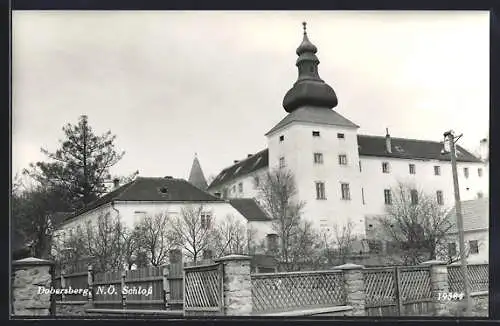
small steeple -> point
(196, 177)
(309, 89)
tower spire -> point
(196, 177)
(309, 89)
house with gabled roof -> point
(147, 196)
(476, 222)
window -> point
(480, 194)
(224, 193)
(282, 162)
(315, 133)
(387, 196)
(437, 170)
(385, 167)
(272, 242)
(473, 247)
(320, 190)
(256, 181)
(479, 172)
(359, 166)
(412, 168)
(466, 172)
(340, 136)
(439, 197)
(452, 249)
(414, 197)
(233, 189)
(282, 138)
(346, 195)
(206, 220)
(363, 195)
(393, 247)
(343, 159)
(240, 187)
(375, 246)
(318, 158)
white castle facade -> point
(341, 175)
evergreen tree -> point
(81, 164)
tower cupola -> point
(309, 89)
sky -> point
(172, 84)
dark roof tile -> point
(475, 215)
(249, 208)
(149, 189)
(257, 161)
(367, 146)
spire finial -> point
(304, 24)
(195, 154)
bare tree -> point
(105, 242)
(154, 235)
(277, 195)
(230, 237)
(338, 246)
(416, 223)
(193, 231)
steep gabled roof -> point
(196, 176)
(153, 189)
(410, 149)
(314, 115)
(475, 215)
(244, 167)
(250, 209)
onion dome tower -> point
(309, 89)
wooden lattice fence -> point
(203, 289)
(478, 278)
(393, 291)
(286, 291)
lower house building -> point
(475, 214)
(476, 223)
(144, 196)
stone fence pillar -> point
(237, 285)
(439, 284)
(354, 287)
(32, 282)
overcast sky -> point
(170, 84)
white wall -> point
(482, 237)
(131, 213)
(374, 181)
(249, 188)
(298, 149)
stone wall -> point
(30, 276)
(71, 308)
(237, 285)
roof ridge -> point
(400, 138)
(243, 160)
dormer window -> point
(257, 162)
(163, 190)
(315, 133)
(237, 170)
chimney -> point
(483, 149)
(116, 183)
(388, 146)
(236, 161)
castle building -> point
(341, 175)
